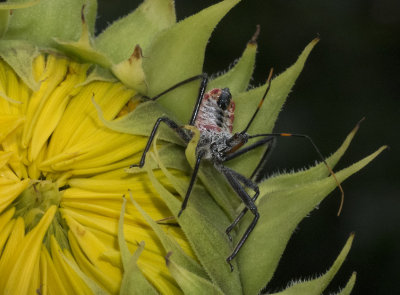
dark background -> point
(353, 72)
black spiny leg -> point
(202, 90)
(170, 123)
(247, 200)
(201, 76)
(270, 143)
(192, 181)
(248, 183)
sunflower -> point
(74, 218)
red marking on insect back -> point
(232, 106)
(211, 117)
(215, 92)
(286, 134)
(231, 110)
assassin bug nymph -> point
(213, 115)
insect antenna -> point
(319, 154)
(261, 101)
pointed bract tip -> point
(315, 40)
(83, 13)
(352, 234)
(253, 39)
(358, 125)
(137, 53)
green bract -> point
(175, 51)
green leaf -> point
(246, 104)
(177, 53)
(98, 73)
(20, 55)
(203, 223)
(133, 281)
(139, 27)
(83, 49)
(170, 155)
(123, 247)
(141, 121)
(39, 24)
(349, 286)
(170, 245)
(12, 5)
(93, 286)
(190, 282)
(5, 13)
(238, 77)
(4, 19)
(317, 286)
(319, 171)
(130, 71)
(280, 213)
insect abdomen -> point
(211, 116)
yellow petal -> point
(20, 277)
(54, 73)
(55, 285)
(10, 192)
(11, 250)
(73, 283)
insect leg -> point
(191, 184)
(201, 76)
(202, 90)
(170, 123)
(248, 183)
(315, 148)
(247, 200)
(270, 144)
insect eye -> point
(224, 99)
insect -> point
(213, 116)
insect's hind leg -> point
(248, 201)
(248, 183)
(270, 143)
(170, 123)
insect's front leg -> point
(170, 123)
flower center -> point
(33, 203)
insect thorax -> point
(214, 145)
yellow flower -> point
(73, 117)
(63, 177)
